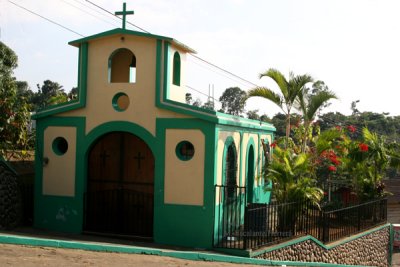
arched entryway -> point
(120, 186)
(231, 172)
(250, 174)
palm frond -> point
(369, 137)
(301, 102)
(325, 139)
(301, 161)
(296, 84)
(267, 94)
(316, 102)
(279, 78)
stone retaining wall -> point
(369, 250)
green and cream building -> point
(130, 158)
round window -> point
(184, 150)
(120, 102)
(60, 146)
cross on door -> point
(104, 156)
(139, 158)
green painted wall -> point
(55, 212)
(185, 225)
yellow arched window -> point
(122, 66)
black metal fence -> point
(230, 216)
(353, 219)
(242, 225)
(118, 211)
(27, 198)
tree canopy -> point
(233, 101)
(289, 92)
(14, 115)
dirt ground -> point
(26, 256)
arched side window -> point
(231, 170)
(176, 70)
(122, 66)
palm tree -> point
(292, 177)
(309, 105)
(289, 92)
(292, 184)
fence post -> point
(246, 227)
(321, 225)
(325, 229)
(358, 218)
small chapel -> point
(130, 158)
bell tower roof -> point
(119, 31)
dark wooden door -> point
(120, 186)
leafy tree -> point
(73, 94)
(331, 119)
(209, 105)
(14, 115)
(317, 87)
(50, 93)
(310, 103)
(279, 121)
(361, 163)
(292, 178)
(353, 107)
(289, 89)
(188, 98)
(197, 103)
(370, 159)
(23, 90)
(233, 101)
(292, 181)
(253, 115)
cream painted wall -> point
(184, 180)
(177, 93)
(59, 173)
(100, 92)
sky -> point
(351, 45)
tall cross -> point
(139, 158)
(124, 12)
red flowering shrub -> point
(332, 168)
(331, 156)
(363, 147)
(351, 128)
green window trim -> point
(60, 146)
(184, 150)
(176, 69)
(116, 102)
(229, 143)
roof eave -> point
(182, 46)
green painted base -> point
(183, 225)
(63, 214)
(187, 255)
